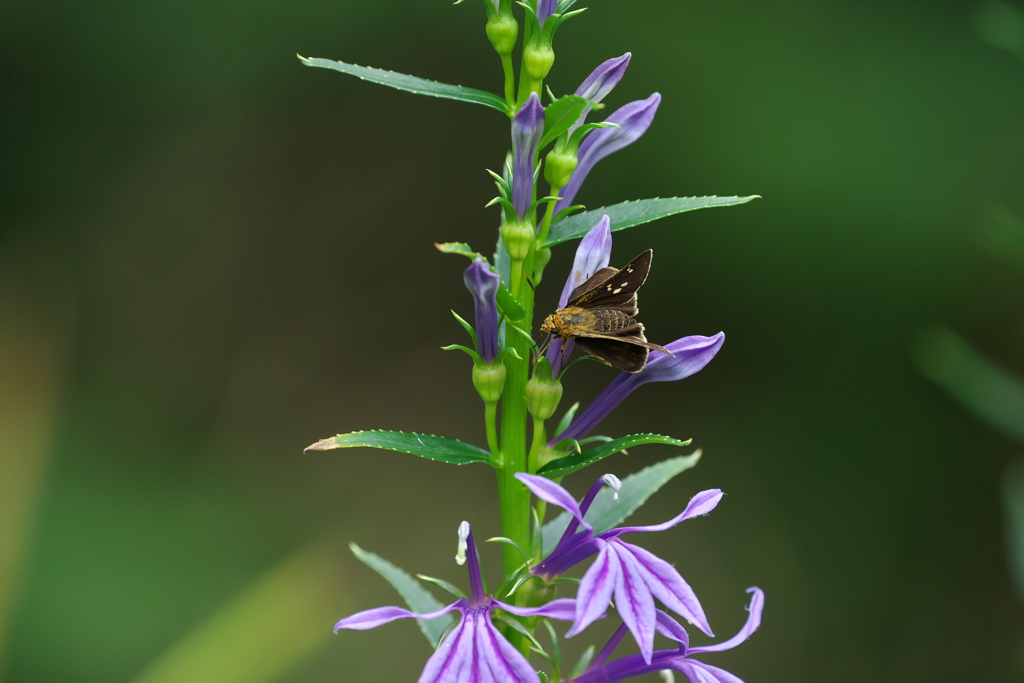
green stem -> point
(549, 214)
(510, 81)
(539, 436)
(491, 421)
(514, 498)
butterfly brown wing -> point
(619, 353)
(614, 289)
(613, 336)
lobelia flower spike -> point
(599, 83)
(689, 356)
(633, 120)
(593, 254)
(474, 651)
(483, 285)
(527, 130)
(630, 574)
(678, 659)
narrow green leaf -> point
(509, 305)
(413, 84)
(460, 248)
(415, 594)
(438, 448)
(637, 212)
(571, 463)
(559, 115)
(606, 512)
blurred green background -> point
(211, 257)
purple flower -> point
(474, 652)
(593, 254)
(633, 121)
(545, 8)
(630, 574)
(527, 130)
(677, 659)
(483, 285)
(599, 83)
(689, 356)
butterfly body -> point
(599, 316)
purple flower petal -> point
(483, 285)
(596, 589)
(690, 355)
(527, 130)
(634, 602)
(563, 608)
(753, 621)
(545, 8)
(599, 83)
(372, 618)
(699, 672)
(633, 121)
(593, 253)
(553, 493)
(701, 504)
(665, 583)
(670, 628)
(475, 652)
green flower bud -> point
(558, 166)
(543, 392)
(540, 260)
(535, 593)
(537, 61)
(517, 238)
(489, 381)
(503, 31)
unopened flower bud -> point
(537, 61)
(543, 392)
(517, 237)
(558, 167)
(489, 381)
(503, 31)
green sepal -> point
(507, 541)
(510, 584)
(543, 676)
(560, 115)
(564, 5)
(574, 140)
(502, 183)
(467, 326)
(439, 448)
(508, 207)
(416, 596)
(566, 420)
(460, 248)
(607, 512)
(564, 213)
(507, 351)
(571, 463)
(516, 582)
(521, 630)
(585, 659)
(447, 587)
(413, 84)
(459, 347)
(556, 651)
(633, 213)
